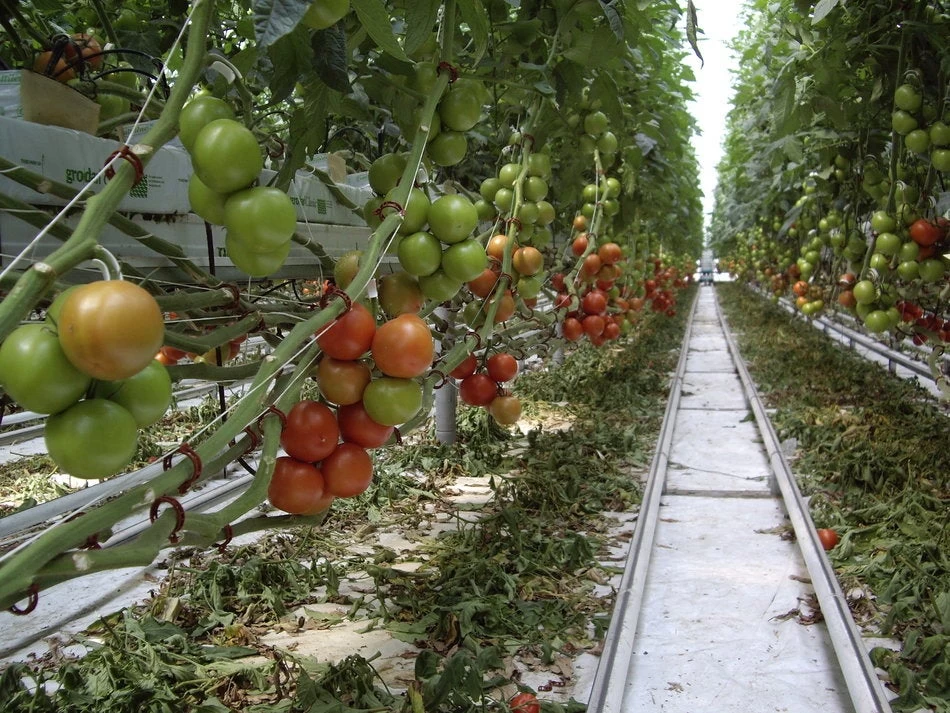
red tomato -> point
(296, 487)
(478, 390)
(506, 307)
(502, 367)
(572, 329)
(591, 265)
(357, 427)
(403, 347)
(524, 703)
(466, 368)
(350, 336)
(497, 244)
(347, 471)
(594, 302)
(925, 233)
(482, 285)
(579, 245)
(828, 538)
(311, 432)
(610, 253)
(593, 325)
(342, 381)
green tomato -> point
(35, 372)
(205, 203)
(486, 211)
(420, 253)
(255, 264)
(940, 160)
(865, 292)
(465, 261)
(595, 123)
(932, 270)
(877, 321)
(390, 401)
(439, 287)
(909, 251)
(415, 211)
(489, 188)
(546, 213)
(461, 106)
(504, 199)
(907, 97)
(887, 244)
(423, 77)
(529, 287)
(452, 218)
(385, 172)
(94, 438)
(939, 134)
(902, 122)
(883, 222)
(111, 106)
(198, 113)
(448, 148)
(539, 164)
(528, 214)
(264, 218)
(226, 156)
(324, 13)
(908, 270)
(917, 141)
(607, 142)
(146, 395)
(879, 262)
(508, 174)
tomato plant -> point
(110, 329)
(311, 431)
(324, 13)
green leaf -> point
(692, 29)
(474, 15)
(822, 9)
(942, 603)
(329, 57)
(420, 19)
(614, 18)
(275, 18)
(375, 19)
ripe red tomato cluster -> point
(90, 366)
(484, 386)
(927, 325)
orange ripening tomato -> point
(403, 347)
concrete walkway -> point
(728, 621)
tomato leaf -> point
(822, 9)
(692, 29)
(420, 18)
(614, 18)
(375, 19)
(275, 18)
(329, 57)
(474, 15)
(287, 56)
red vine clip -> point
(228, 535)
(478, 340)
(398, 436)
(34, 593)
(92, 542)
(126, 153)
(388, 204)
(528, 137)
(235, 292)
(451, 69)
(513, 220)
(331, 291)
(273, 409)
(442, 381)
(255, 440)
(195, 459)
(179, 515)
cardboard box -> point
(74, 158)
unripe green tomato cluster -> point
(227, 159)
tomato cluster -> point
(90, 367)
(260, 220)
(482, 385)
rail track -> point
(716, 609)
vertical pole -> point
(446, 397)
